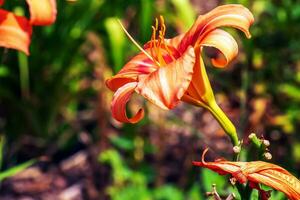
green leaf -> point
(117, 41)
(2, 142)
(185, 12)
(122, 142)
(209, 177)
(195, 193)
(290, 90)
(168, 192)
(14, 170)
(4, 71)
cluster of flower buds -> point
(261, 144)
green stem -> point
(244, 190)
(24, 74)
(223, 120)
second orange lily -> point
(168, 71)
(16, 31)
(257, 172)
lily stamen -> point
(136, 44)
(158, 42)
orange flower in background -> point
(168, 71)
(16, 31)
(257, 172)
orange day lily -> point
(257, 172)
(16, 30)
(168, 71)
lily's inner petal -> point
(225, 43)
(15, 31)
(42, 12)
(236, 16)
(200, 88)
(166, 86)
(118, 105)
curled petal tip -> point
(198, 164)
(248, 35)
(118, 105)
(225, 43)
(232, 15)
(203, 155)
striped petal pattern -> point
(225, 43)
(165, 86)
(138, 65)
(118, 105)
(232, 15)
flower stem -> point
(223, 120)
(24, 74)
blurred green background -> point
(55, 108)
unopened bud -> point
(232, 181)
(236, 149)
(266, 143)
(252, 135)
(268, 155)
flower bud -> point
(268, 155)
(236, 149)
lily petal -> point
(165, 86)
(42, 12)
(257, 172)
(175, 41)
(1, 2)
(233, 15)
(15, 31)
(279, 179)
(140, 64)
(200, 88)
(225, 43)
(118, 105)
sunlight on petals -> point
(118, 105)
(167, 85)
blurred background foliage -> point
(54, 103)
